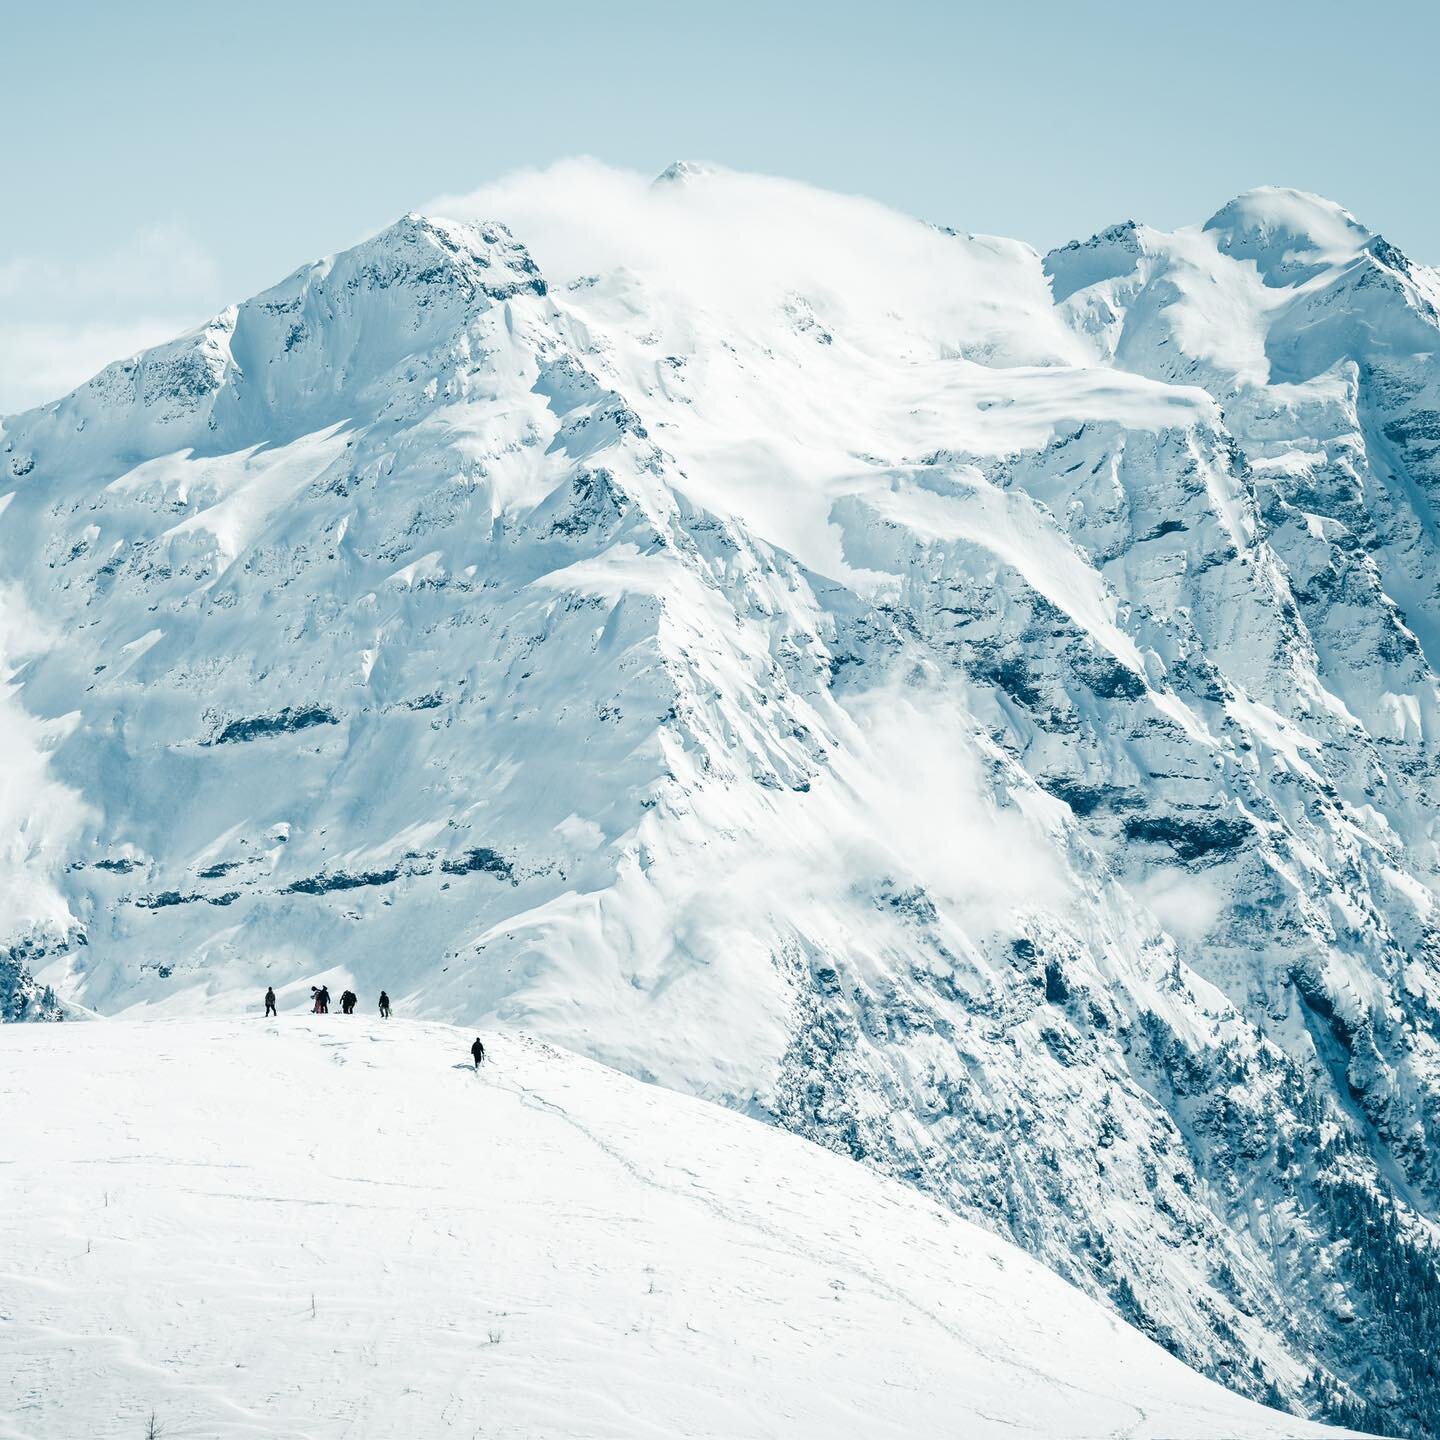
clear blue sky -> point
(263, 134)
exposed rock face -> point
(988, 728)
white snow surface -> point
(332, 1226)
(975, 710)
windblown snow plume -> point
(977, 711)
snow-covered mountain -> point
(973, 710)
(362, 1241)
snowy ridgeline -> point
(974, 710)
(335, 1227)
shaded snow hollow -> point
(332, 1227)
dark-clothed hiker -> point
(477, 1051)
(323, 999)
(270, 1001)
(384, 1006)
(348, 1002)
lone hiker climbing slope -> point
(270, 1001)
(477, 1051)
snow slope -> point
(329, 1227)
(976, 711)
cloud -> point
(1185, 905)
(730, 245)
(61, 320)
(156, 264)
(928, 804)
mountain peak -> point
(326, 329)
(681, 172)
(1082, 263)
(1289, 234)
(424, 246)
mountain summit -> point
(1289, 234)
(976, 712)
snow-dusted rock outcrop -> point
(979, 713)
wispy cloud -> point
(62, 319)
(722, 243)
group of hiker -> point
(320, 1002)
(320, 996)
(348, 1001)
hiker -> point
(323, 999)
(270, 1002)
(348, 1002)
(384, 1006)
(317, 1006)
(477, 1051)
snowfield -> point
(329, 1226)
